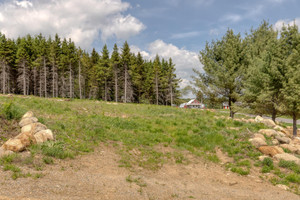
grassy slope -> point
(136, 130)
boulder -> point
(259, 119)
(283, 140)
(33, 128)
(257, 135)
(281, 134)
(269, 122)
(26, 138)
(29, 114)
(27, 121)
(279, 149)
(257, 142)
(278, 128)
(14, 145)
(269, 150)
(43, 136)
(287, 157)
(275, 142)
(289, 147)
(268, 132)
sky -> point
(171, 28)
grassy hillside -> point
(145, 136)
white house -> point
(194, 103)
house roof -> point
(194, 102)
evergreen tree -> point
(290, 46)
(115, 62)
(223, 66)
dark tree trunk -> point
(274, 113)
(230, 108)
(294, 125)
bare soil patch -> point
(97, 175)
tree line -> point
(260, 71)
(55, 67)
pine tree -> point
(125, 61)
(104, 71)
(115, 61)
(223, 65)
(264, 80)
(290, 48)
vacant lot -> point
(128, 151)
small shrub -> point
(294, 178)
(240, 171)
(268, 162)
(10, 111)
(10, 167)
(48, 160)
(266, 169)
(289, 165)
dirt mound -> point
(98, 176)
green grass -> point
(138, 132)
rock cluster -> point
(32, 132)
(281, 138)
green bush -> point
(289, 165)
(10, 111)
(268, 162)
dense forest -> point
(260, 71)
(55, 67)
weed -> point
(10, 111)
(48, 160)
(289, 165)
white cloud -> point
(280, 23)
(183, 59)
(83, 21)
(232, 18)
(23, 4)
(185, 35)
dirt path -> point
(97, 176)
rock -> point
(280, 134)
(268, 132)
(4, 152)
(269, 150)
(269, 122)
(257, 142)
(43, 136)
(275, 142)
(33, 128)
(27, 121)
(261, 158)
(258, 119)
(287, 157)
(290, 147)
(257, 135)
(14, 145)
(284, 187)
(283, 140)
(278, 128)
(26, 138)
(279, 149)
(296, 140)
(297, 146)
(29, 114)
